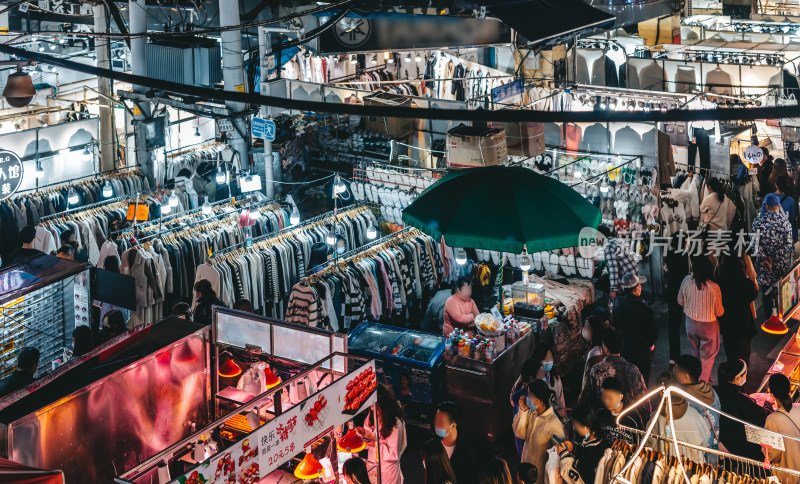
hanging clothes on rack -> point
(382, 281)
(266, 272)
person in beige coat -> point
(536, 423)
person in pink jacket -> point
(391, 435)
(460, 310)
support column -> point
(264, 39)
(233, 76)
(138, 24)
(107, 125)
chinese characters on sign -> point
(694, 243)
(10, 174)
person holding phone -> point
(537, 424)
(583, 456)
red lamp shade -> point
(351, 442)
(308, 468)
(774, 325)
(230, 369)
(271, 379)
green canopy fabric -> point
(500, 208)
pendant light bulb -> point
(338, 187)
(207, 208)
(372, 232)
(40, 173)
(525, 260)
(604, 187)
(461, 256)
(408, 57)
(294, 218)
(374, 59)
(418, 58)
(173, 200)
(107, 190)
(255, 214)
(221, 176)
(331, 238)
(353, 59)
(577, 173)
(165, 208)
(72, 196)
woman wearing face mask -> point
(438, 469)
(354, 471)
(460, 310)
(584, 454)
(592, 330)
(537, 423)
(733, 401)
(543, 353)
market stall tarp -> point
(501, 208)
(554, 19)
(14, 473)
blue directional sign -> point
(264, 128)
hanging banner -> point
(10, 174)
(393, 32)
(509, 93)
(277, 441)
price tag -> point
(753, 155)
(764, 437)
(141, 211)
(239, 88)
(249, 242)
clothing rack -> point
(98, 175)
(702, 169)
(647, 434)
(77, 210)
(398, 236)
(306, 223)
(205, 221)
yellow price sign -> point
(239, 88)
(137, 111)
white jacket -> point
(44, 240)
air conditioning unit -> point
(195, 61)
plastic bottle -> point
(448, 345)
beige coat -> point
(788, 424)
(537, 431)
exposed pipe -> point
(107, 134)
(233, 77)
(137, 13)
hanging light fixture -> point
(255, 214)
(353, 59)
(774, 325)
(107, 189)
(339, 187)
(294, 218)
(197, 132)
(165, 208)
(229, 369)
(271, 379)
(374, 59)
(251, 183)
(525, 259)
(408, 57)
(40, 171)
(372, 232)
(331, 238)
(461, 256)
(207, 208)
(173, 200)
(41, 47)
(72, 196)
(604, 187)
(351, 442)
(53, 46)
(418, 58)
(222, 177)
(308, 468)
(577, 173)
(19, 89)
(388, 58)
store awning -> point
(545, 21)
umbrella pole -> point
(500, 283)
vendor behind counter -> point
(460, 310)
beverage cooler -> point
(409, 361)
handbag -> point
(703, 227)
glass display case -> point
(408, 361)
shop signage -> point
(753, 155)
(757, 435)
(509, 93)
(141, 211)
(263, 128)
(285, 436)
(10, 173)
(411, 32)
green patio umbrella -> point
(501, 208)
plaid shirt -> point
(620, 261)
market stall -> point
(287, 427)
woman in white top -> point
(716, 210)
(392, 432)
(701, 300)
(784, 420)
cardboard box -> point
(394, 127)
(470, 147)
(523, 139)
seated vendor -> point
(460, 310)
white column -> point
(233, 74)
(107, 151)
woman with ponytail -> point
(785, 420)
